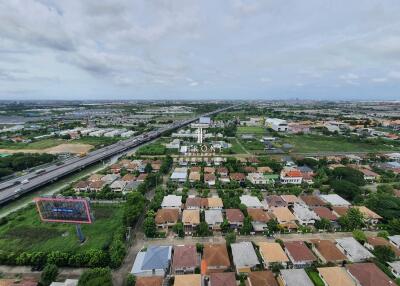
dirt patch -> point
(62, 148)
(69, 148)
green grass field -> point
(25, 232)
(236, 148)
(251, 130)
(41, 144)
(253, 145)
(319, 143)
(95, 141)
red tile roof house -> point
(235, 218)
(115, 168)
(313, 201)
(250, 169)
(261, 278)
(374, 241)
(216, 258)
(209, 179)
(185, 259)
(222, 171)
(238, 177)
(222, 279)
(81, 186)
(149, 281)
(291, 177)
(300, 255)
(324, 212)
(166, 218)
(141, 177)
(327, 251)
(195, 203)
(96, 186)
(368, 274)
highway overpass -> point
(16, 187)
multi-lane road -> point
(16, 187)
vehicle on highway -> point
(40, 171)
(26, 181)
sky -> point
(205, 49)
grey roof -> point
(251, 201)
(335, 200)
(244, 255)
(259, 226)
(296, 277)
(157, 257)
(395, 265)
(395, 239)
(171, 201)
(179, 173)
(354, 250)
(137, 265)
(303, 213)
(304, 169)
(213, 216)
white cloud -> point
(379, 79)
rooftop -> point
(213, 216)
(185, 256)
(243, 254)
(258, 215)
(328, 250)
(223, 279)
(334, 200)
(167, 215)
(261, 278)
(234, 215)
(157, 257)
(251, 201)
(368, 274)
(272, 252)
(171, 201)
(283, 214)
(188, 280)
(312, 201)
(324, 212)
(354, 250)
(149, 281)
(298, 251)
(216, 255)
(335, 276)
(296, 277)
(191, 217)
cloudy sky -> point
(183, 49)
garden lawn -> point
(320, 143)
(251, 130)
(315, 278)
(25, 232)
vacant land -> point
(25, 232)
(236, 147)
(155, 148)
(39, 145)
(96, 141)
(251, 130)
(319, 143)
(56, 146)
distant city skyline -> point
(166, 50)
